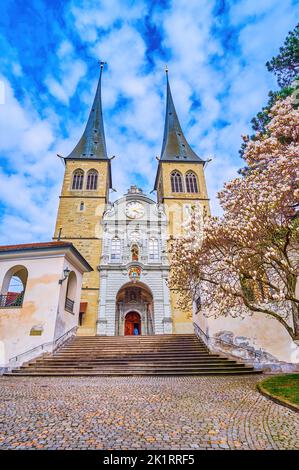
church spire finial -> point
(92, 144)
(175, 146)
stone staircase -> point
(159, 355)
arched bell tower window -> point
(191, 182)
(176, 182)
(78, 177)
(92, 180)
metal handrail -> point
(44, 345)
(196, 327)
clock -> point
(134, 210)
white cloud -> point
(71, 70)
(91, 17)
(28, 180)
(134, 97)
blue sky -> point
(215, 50)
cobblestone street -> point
(142, 413)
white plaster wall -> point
(66, 320)
(260, 331)
(43, 305)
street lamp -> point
(66, 273)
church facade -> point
(126, 242)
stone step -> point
(137, 341)
(144, 367)
(139, 348)
(133, 350)
(138, 369)
(130, 356)
(133, 363)
(137, 345)
(135, 338)
(79, 373)
(125, 361)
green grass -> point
(285, 387)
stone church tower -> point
(128, 238)
(180, 185)
(84, 195)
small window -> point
(71, 292)
(92, 180)
(191, 182)
(78, 179)
(81, 206)
(153, 250)
(115, 250)
(176, 182)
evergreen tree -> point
(286, 68)
(286, 64)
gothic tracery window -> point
(191, 182)
(78, 177)
(92, 180)
(176, 182)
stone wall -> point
(42, 317)
(255, 339)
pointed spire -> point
(175, 146)
(92, 143)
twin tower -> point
(84, 199)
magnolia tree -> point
(247, 261)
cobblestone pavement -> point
(142, 413)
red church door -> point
(132, 324)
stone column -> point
(121, 327)
(167, 320)
(102, 320)
(150, 319)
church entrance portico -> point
(134, 313)
(132, 324)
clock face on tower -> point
(134, 210)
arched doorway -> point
(132, 324)
(134, 301)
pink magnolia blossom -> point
(247, 261)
